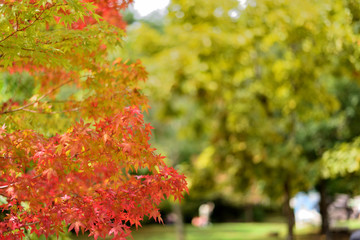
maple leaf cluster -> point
(88, 176)
(109, 10)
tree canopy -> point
(258, 76)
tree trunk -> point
(289, 213)
(179, 223)
(249, 213)
(323, 210)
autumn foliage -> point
(87, 177)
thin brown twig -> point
(38, 100)
(37, 18)
(17, 21)
(25, 49)
(24, 28)
(52, 112)
(12, 184)
(10, 157)
(48, 42)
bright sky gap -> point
(145, 7)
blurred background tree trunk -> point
(179, 222)
(323, 210)
(249, 213)
(289, 213)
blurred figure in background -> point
(205, 211)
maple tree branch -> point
(63, 101)
(25, 49)
(52, 112)
(24, 28)
(60, 41)
(10, 157)
(12, 184)
(38, 100)
(37, 18)
(17, 21)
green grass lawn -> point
(220, 231)
(226, 231)
(351, 224)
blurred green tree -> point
(341, 159)
(249, 78)
(317, 138)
